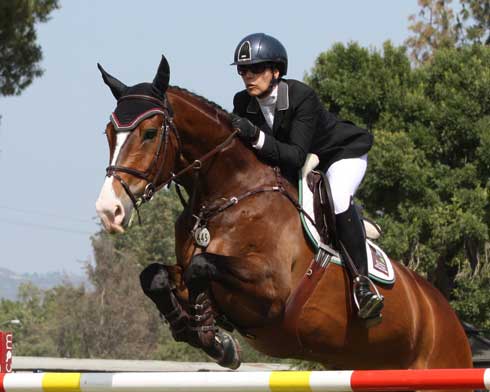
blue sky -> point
(53, 152)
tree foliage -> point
(434, 27)
(110, 317)
(437, 26)
(20, 54)
(153, 240)
(427, 184)
(427, 180)
(477, 14)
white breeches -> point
(345, 176)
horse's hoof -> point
(231, 351)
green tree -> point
(111, 318)
(153, 240)
(427, 182)
(475, 14)
(32, 337)
(20, 54)
(437, 26)
(434, 27)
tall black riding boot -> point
(350, 232)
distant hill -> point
(10, 281)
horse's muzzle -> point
(109, 226)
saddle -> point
(319, 223)
(323, 208)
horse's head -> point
(141, 147)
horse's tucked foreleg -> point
(217, 344)
(157, 286)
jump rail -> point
(275, 381)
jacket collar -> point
(282, 99)
(282, 96)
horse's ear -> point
(160, 83)
(118, 88)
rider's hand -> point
(247, 131)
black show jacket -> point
(302, 125)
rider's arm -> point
(303, 127)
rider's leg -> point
(351, 234)
(344, 177)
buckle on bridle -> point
(149, 192)
(197, 164)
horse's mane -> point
(210, 105)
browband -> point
(120, 127)
(125, 120)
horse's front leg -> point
(158, 283)
(197, 325)
(221, 346)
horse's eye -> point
(149, 134)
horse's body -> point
(258, 253)
(268, 253)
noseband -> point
(150, 189)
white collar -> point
(270, 100)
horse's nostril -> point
(118, 214)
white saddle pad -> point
(379, 265)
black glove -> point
(247, 131)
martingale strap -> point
(206, 213)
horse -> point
(241, 249)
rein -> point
(150, 188)
(205, 213)
(197, 164)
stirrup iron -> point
(376, 297)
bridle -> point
(167, 127)
(206, 212)
(150, 188)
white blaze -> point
(108, 200)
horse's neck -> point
(203, 128)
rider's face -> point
(257, 80)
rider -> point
(283, 120)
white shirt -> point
(268, 107)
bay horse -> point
(241, 249)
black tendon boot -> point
(350, 232)
(156, 284)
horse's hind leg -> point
(222, 347)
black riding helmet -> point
(261, 48)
